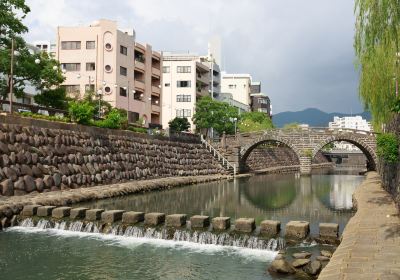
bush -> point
(388, 147)
(113, 120)
(45, 117)
(137, 129)
(179, 124)
(81, 112)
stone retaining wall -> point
(266, 157)
(43, 156)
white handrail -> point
(216, 153)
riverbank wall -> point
(43, 156)
(390, 172)
(370, 244)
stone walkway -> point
(370, 247)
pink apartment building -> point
(108, 61)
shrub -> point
(45, 117)
(388, 147)
(81, 112)
(179, 124)
(113, 120)
(137, 129)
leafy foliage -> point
(45, 117)
(388, 147)
(254, 121)
(293, 125)
(114, 120)
(179, 124)
(104, 106)
(137, 129)
(377, 49)
(12, 12)
(215, 114)
(53, 98)
(81, 112)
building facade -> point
(239, 85)
(46, 46)
(353, 122)
(228, 98)
(185, 78)
(108, 61)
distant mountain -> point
(311, 116)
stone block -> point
(94, 214)
(270, 227)
(154, 219)
(78, 213)
(297, 229)
(30, 210)
(61, 212)
(175, 220)
(45, 211)
(199, 221)
(246, 225)
(132, 217)
(329, 230)
(111, 216)
(221, 223)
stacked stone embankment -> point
(41, 156)
(268, 157)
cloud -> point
(301, 51)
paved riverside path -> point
(370, 247)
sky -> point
(300, 50)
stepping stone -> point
(176, 220)
(300, 262)
(61, 212)
(302, 255)
(246, 225)
(94, 214)
(270, 227)
(112, 216)
(30, 210)
(221, 223)
(45, 211)
(329, 230)
(132, 217)
(154, 219)
(199, 221)
(297, 229)
(78, 213)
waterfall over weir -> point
(199, 237)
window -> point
(165, 69)
(71, 66)
(108, 46)
(70, 89)
(108, 68)
(70, 45)
(123, 71)
(183, 98)
(90, 66)
(167, 84)
(122, 91)
(183, 69)
(89, 88)
(123, 50)
(183, 83)
(232, 86)
(183, 113)
(262, 101)
(90, 45)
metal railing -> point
(218, 155)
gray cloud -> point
(301, 51)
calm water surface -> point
(51, 254)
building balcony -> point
(156, 90)
(139, 85)
(156, 72)
(155, 108)
(139, 65)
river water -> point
(31, 253)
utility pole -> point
(12, 75)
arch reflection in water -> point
(317, 198)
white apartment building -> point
(239, 85)
(186, 77)
(46, 46)
(108, 61)
(228, 98)
(353, 122)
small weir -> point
(174, 234)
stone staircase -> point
(231, 168)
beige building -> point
(239, 85)
(186, 77)
(108, 61)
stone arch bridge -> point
(305, 142)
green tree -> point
(12, 12)
(179, 124)
(377, 48)
(53, 98)
(254, 121)
(103, 106)
(293, 125)
(215, 114)
(81, 112)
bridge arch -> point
(367, 149)
(265, 138)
